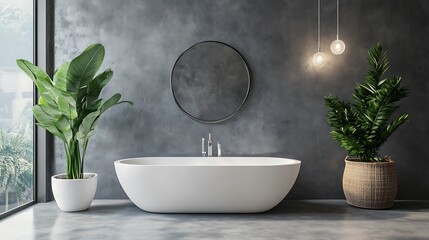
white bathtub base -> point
(207, 185)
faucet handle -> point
(203, 151)
(219, 151)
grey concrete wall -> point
(284, 115)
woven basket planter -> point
(369, 184)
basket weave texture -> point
(370, 184)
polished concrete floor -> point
(312, 219)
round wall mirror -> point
(210, 81)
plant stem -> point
(73, 160)
(68, 161)
(84, 145)
(78, 161)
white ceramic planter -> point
(74, 195)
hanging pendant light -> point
(338, 46)
(319, 58)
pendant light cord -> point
(318, 26)
(338, 17)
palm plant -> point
(69, 105)
(16, 168)
(362, 127)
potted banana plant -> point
(362, 127)
(69, 107)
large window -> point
(16, 100)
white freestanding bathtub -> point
(207, 184)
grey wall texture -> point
(284, 115)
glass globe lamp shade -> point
(338, 47)
(319, 59)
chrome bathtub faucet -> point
(210, 147)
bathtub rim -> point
(275, 161)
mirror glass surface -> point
(210, 81)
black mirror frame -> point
(226, 117)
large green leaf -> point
(67, 106)
(63, 125)
(40, 78)
(47, 118)
(46, 114)
(110, 102)
(52, 129)
(82, 69)
(63, 101)
(60, 79)
(87, 126)
(46, 99)
(95, 86)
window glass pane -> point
(16, 100)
